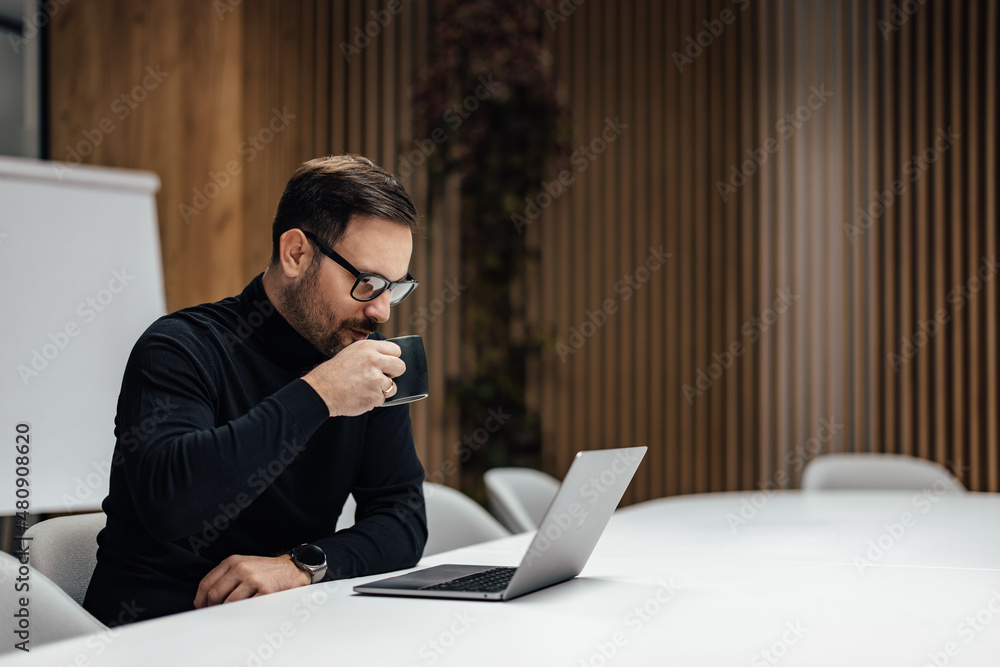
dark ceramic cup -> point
(411, 385)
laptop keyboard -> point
(487, 581)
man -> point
(243, 424)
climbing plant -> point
(491, 104)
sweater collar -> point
(268, 327)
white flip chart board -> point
(81, 280)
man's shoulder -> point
(196, 319)
(194, 328)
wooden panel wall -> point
(694, 89)
(880, 213)
(158, 86)
(925, 308)
(635, 333)
(852, 95)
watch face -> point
(310, 554)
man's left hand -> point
(242, 577)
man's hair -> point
(324, 195)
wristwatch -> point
(310, 559)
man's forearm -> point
(391, 537)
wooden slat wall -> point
(898, 80)
(658, 183)
(895, 84)
(184, 128)
(654, 185)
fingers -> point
(389, 393)
(384, 346)
(393, 367)
(239, 580)
(241, 577)
(214, 587)
(388, 358)
(359, 378)
(243, 592)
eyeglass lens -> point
(369, 287)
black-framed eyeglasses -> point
(368, 286)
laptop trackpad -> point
(429, 576)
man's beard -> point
(306, 312)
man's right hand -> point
(358, 378)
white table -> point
(848, 578)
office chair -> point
(53, 615)
(346, 519)
(454, 520)
(519, 497)
(876, 471)
(64, 549)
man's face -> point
(320, 307)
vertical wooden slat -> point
(337, 101)
(609, 359)
(903, 213)
(778, 236)
(353, 90)
(887, 228)
(388, 105)
(954, 159)
(718, 266)
(369, 107)
(731, 413)
(750, 82)
(836, 325)
(969, 150)
(926, 305)
(254, 23)
(764, 217)
(584, 380)
(797, 394)
(673, 378)
(323, 56)
(940, 228)
(823, 245)
(871, 241)
(701, 314)
(856, 386)
(991, 173)
(686, 438)
(628, 341)
(631, 166)
(660, 408)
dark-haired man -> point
(233, 489)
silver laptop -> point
(574, 522)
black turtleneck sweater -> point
(221, 449)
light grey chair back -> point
(876, 471)
(519, 497)
(53, 615)
(65, 550)
(454, 520)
